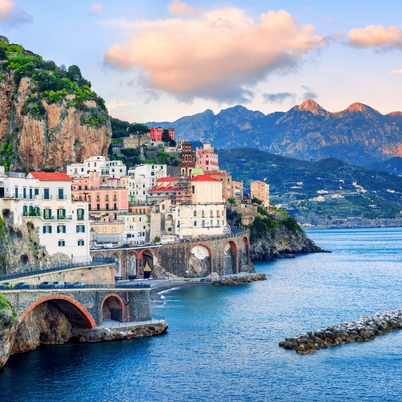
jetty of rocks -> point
(236, 279)
(360, 330)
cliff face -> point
(282, 241)
(49, 135)
(8, 329)
(20, 250)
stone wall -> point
(134, 303)
(100, 274)
(223, 255)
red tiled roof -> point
(51, 176)
(204, 177)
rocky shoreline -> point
(360, 330)
(230, 280)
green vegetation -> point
(52, 83)
(6, 154)
(8, 321)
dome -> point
(196, 171)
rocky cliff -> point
(281, 241)
(52, 140)
(49, 116)
(8, 329)
(20, 250)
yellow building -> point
(260, 190)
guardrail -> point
(60, 267)
(85, 286)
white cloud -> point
(376, 36)
(217, 54)
(396, 71)
(96, 8)
(11, 14)
(178, 7)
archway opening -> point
(199, 262)
(112, 309)
(148, 261)
(50, 321)
(230, 259)
(117, 265)
(132, 266)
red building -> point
(156, 133)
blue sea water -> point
(222, 342)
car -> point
(45, 285)
(22, 285)
(95, 247)
(184, 240)
(58, 284)
(68, 285)
(8, 285)
(78, 284)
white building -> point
(63, 224)
(141, 179)
(97, 164)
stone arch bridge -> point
(225, 255)
(85, 308)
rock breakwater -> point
(230, 280)
(361, 330)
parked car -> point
(58, 284)
(78, 284)
(95, 247)
(8, 285)
(184, 240)
(46, 285)
(22, 285)
(68, 285)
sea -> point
(222, 342)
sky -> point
(158, 60)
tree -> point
(166, 136)
(4, 39)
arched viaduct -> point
(225, 255)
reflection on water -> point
(222, 342)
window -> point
(80, 228)
(79, 188)
(98, 207)
(47, 213)
(24, 192)
(61, 193)
(107, 207)
(80, 198)
(104, 229)
(80, 242)
(62, 243)
(80, 214)
(61, 229)
(36, 192)
(97, 197)
(203, 224)
(89, 198)
(61, 213)
(114, 197)
(211, 222)
(113, 229)
(46, 194)
(47, 229)
(107, 197)
(202, 214)
(195, 223)
(211, 214)
(115, 206)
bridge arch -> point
(112, 308)
(118, 263)
(199, 260)
(132, 263)
(230, 258)
(247, 249)
(75, 312)
(147, 255)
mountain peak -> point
(360, 107)
(311, 106)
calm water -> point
(222, 343)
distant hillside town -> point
(102, 202)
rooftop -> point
(50, 176)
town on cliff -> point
(102, 203)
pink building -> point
(206, 158)
(86, 183)
(156, 133)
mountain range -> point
(328, 192)
(359, 134)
